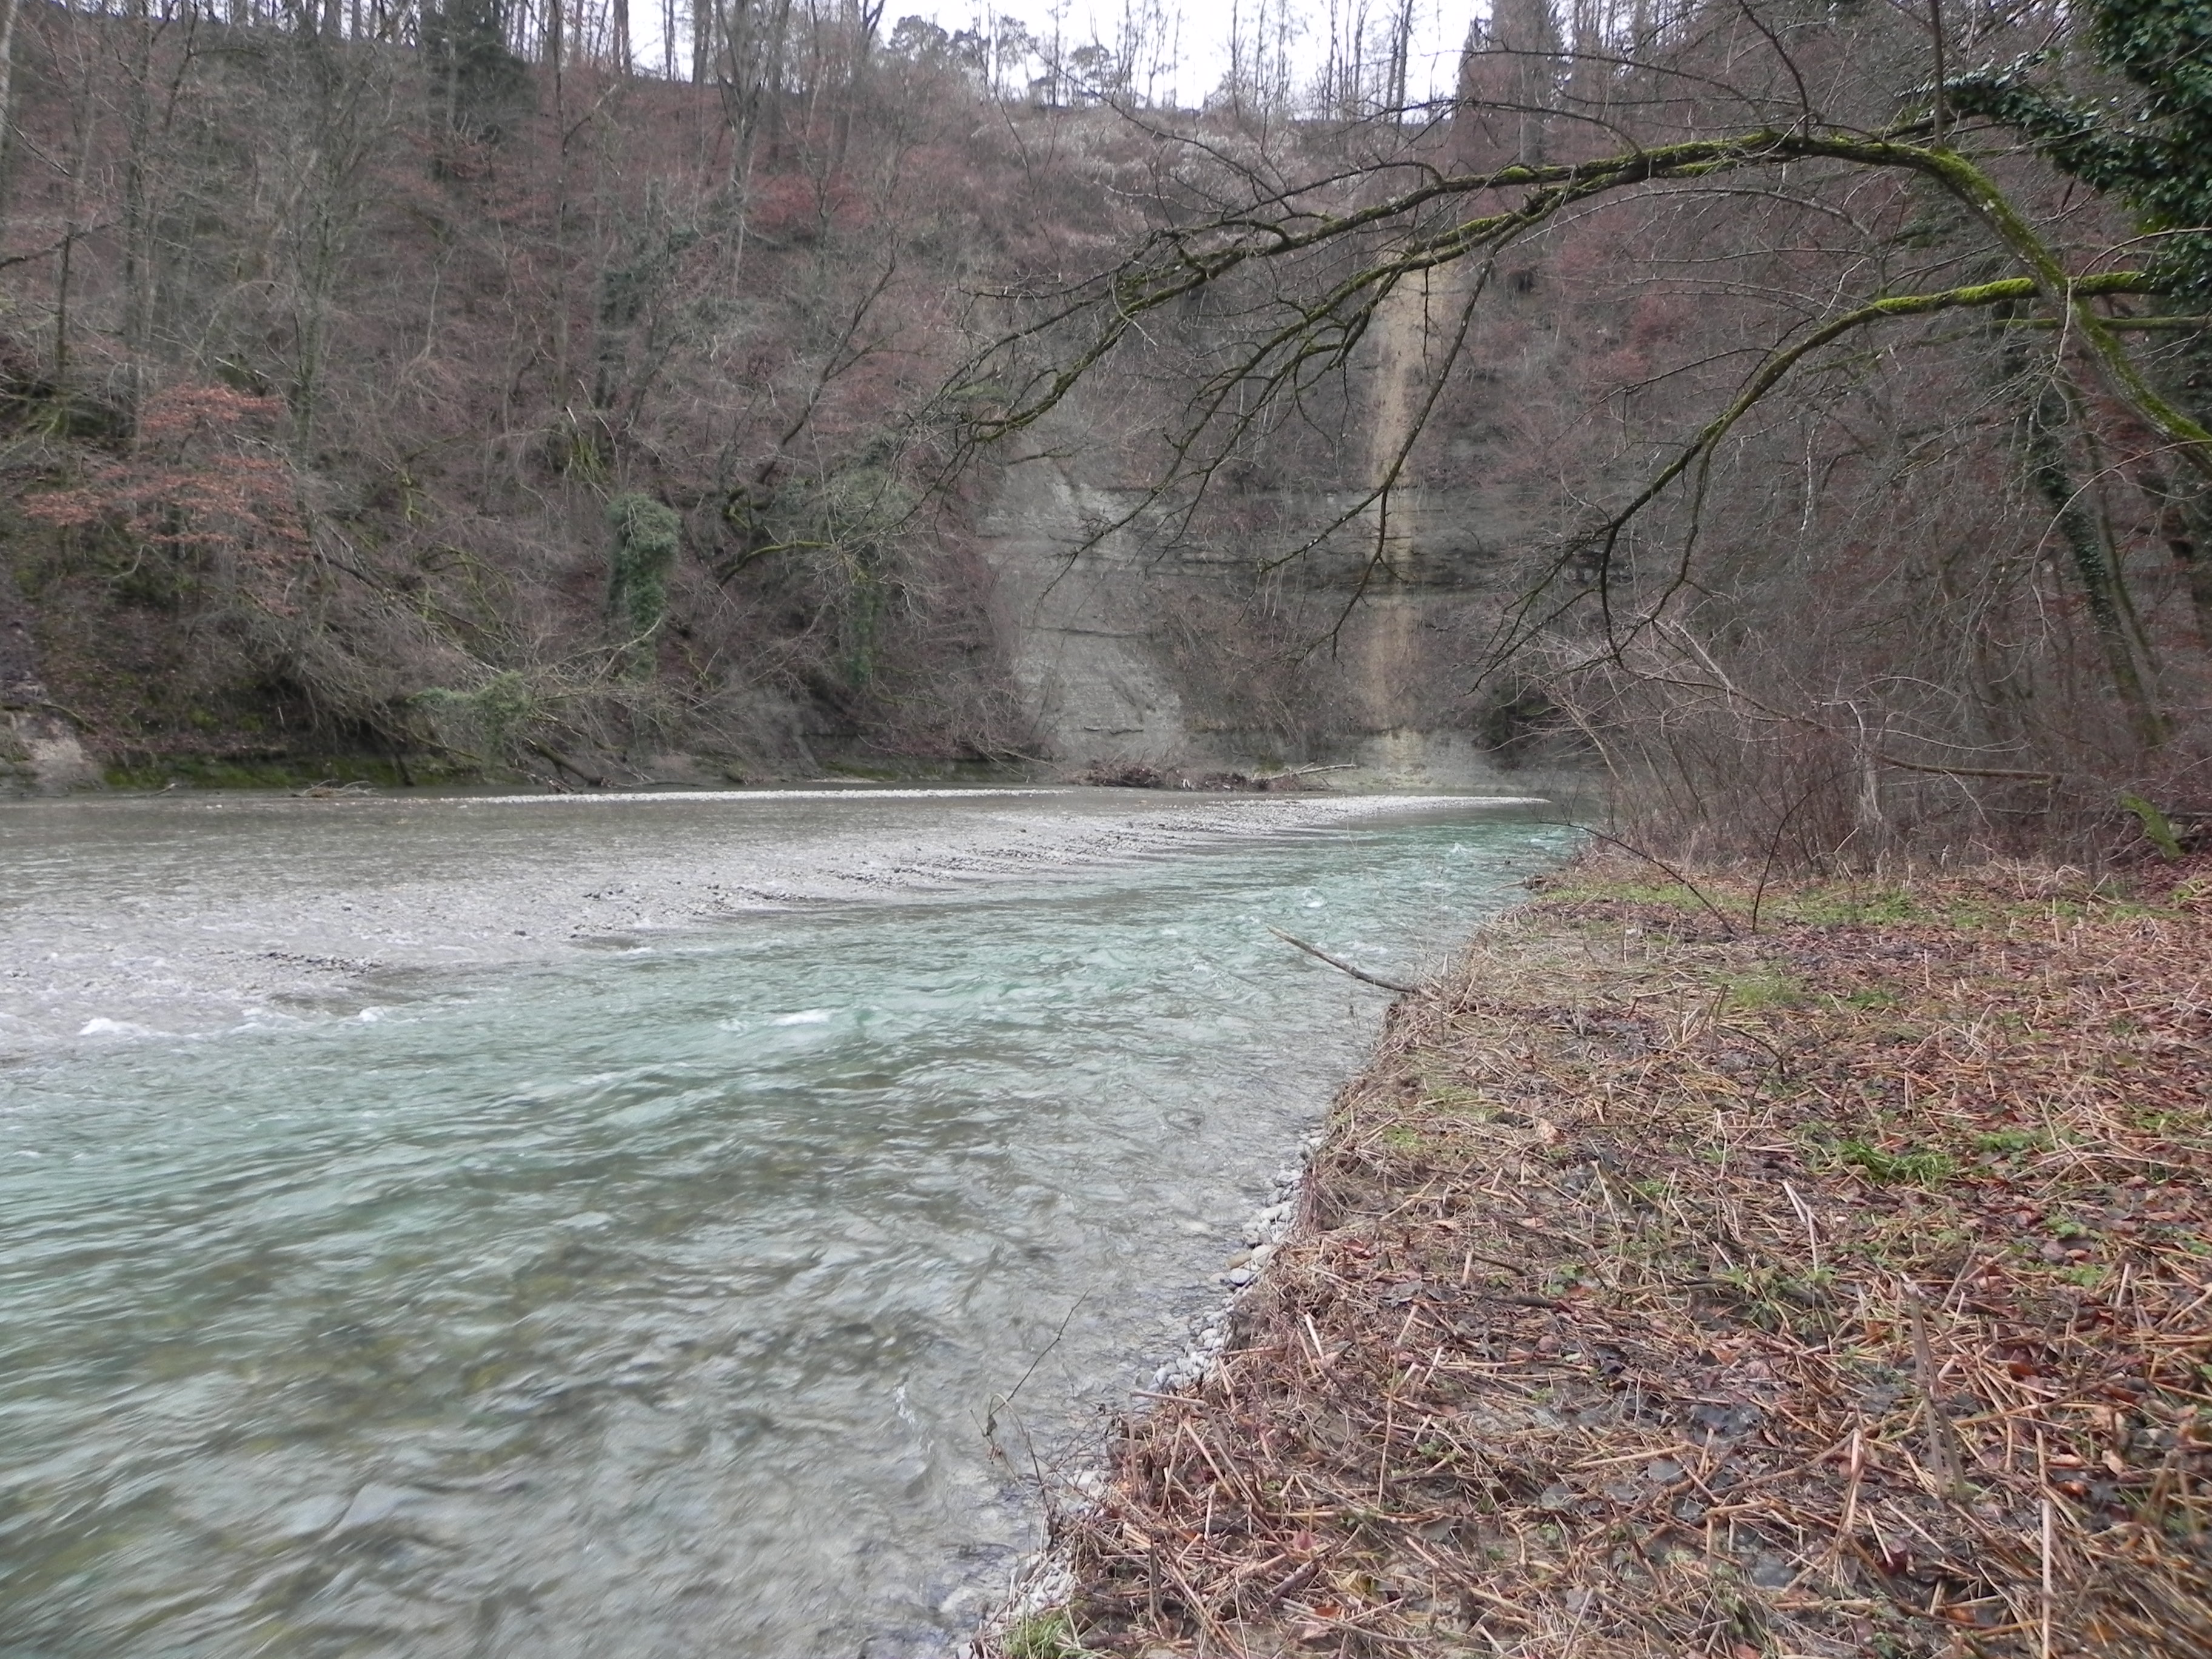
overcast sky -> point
(1201, 35)
(1439, 30)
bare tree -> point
(1842, 199)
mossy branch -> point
(1174, 264)
(2006, 291)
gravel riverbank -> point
(1814, 1270)
(182, 913)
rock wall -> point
(1101, 633)
(1105, 630)
(39, 753)
(1081, 622)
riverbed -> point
(525, 1227)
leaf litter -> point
(1818, 1270)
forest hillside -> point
(380, 390)
(1788, 407)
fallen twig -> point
(1344, 967)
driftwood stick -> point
(1344, 967)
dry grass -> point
(1840, 1287)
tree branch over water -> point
(1370, 329)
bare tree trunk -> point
(706, 39)
(342, 108)
(750, 70)
(868, 16)
(1527, 32)
(1401, 52)
(75, 212)
(61, 311)
(1238, 54)
(137, 215)
(7, 10)
(1588, 72)
(2045, 421)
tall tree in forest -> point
(8, 11)
(478, 86)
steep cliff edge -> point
(1296, 612)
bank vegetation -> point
(1789, 1267)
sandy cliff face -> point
(39, 751)
(1081, 621)
(1201, 644)
(41, 754)
(1126, 651)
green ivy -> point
(483, 723)
(479, 89)
(647, 537)
(2151, 147)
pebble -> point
(1261, 1235)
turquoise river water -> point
(648, 1297)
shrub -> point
(647, 537)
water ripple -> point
(651, 1305)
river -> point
(477, 1227)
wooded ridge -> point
(1799, 411)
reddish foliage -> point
(804, 208)
(201, 478)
